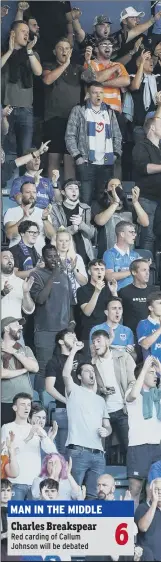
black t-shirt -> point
(84, 295)
(24, 262)
(64, 93)
(77, 237)
(145, 152)
(122, 48)
(134, 304)
(99, 207)
(139, 110)
(152, 537)
(55, 368)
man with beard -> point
(15, 292)
(52, 294)
(113, 76)
(28, 210)
(44, 186)
(106, 487)
(54, 382)
(17, 362)
(101, 26)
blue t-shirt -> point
(144, 329)
(123, 335)
(45, 190)
(155, 471)
(118, 262)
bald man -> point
(106, 487)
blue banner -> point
(71, 509)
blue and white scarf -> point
(91, 133)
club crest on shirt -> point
(99, 127)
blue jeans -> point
(86, 468)
(22, 125)
(21, 492)
(147, 236)
(60, 416)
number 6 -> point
(121, 530)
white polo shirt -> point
(142, 431)
(11, 304)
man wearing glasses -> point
(24, 253)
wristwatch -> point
(30, 52)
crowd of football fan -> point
(80, 265)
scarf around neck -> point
(70, 204)
(153, 397)
(150, 90)
(91, 133)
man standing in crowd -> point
(101, 26)
(106, 487)
(24, 253)
(17, 362)
(134, 296)
(144, 87)
(52, 294)
(28, 210)
(92, 299)
(123, 336)
(113, 76)
(28, 441)
(147, 174)
(119, 258)
(144, 419)
(128, 39)
(54, 382)
(15, 293)
(148, 519)
(114, 376)
(111, 209)
(94, 140)
(88, 422)
(62, 92)
(20, 62)
(149, 330)
(76, 217)
(44, 186)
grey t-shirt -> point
(11, 387)
(14, 94)
(64, 93)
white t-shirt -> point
(28, 454)
(85, 411)
(105, 367)
(11, 304)
(98, 118)
(15, 214)
(142, 431)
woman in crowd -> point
(55, 466)
(73, 262)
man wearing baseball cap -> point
(101, 29)
(17, 362)
(130, 38)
